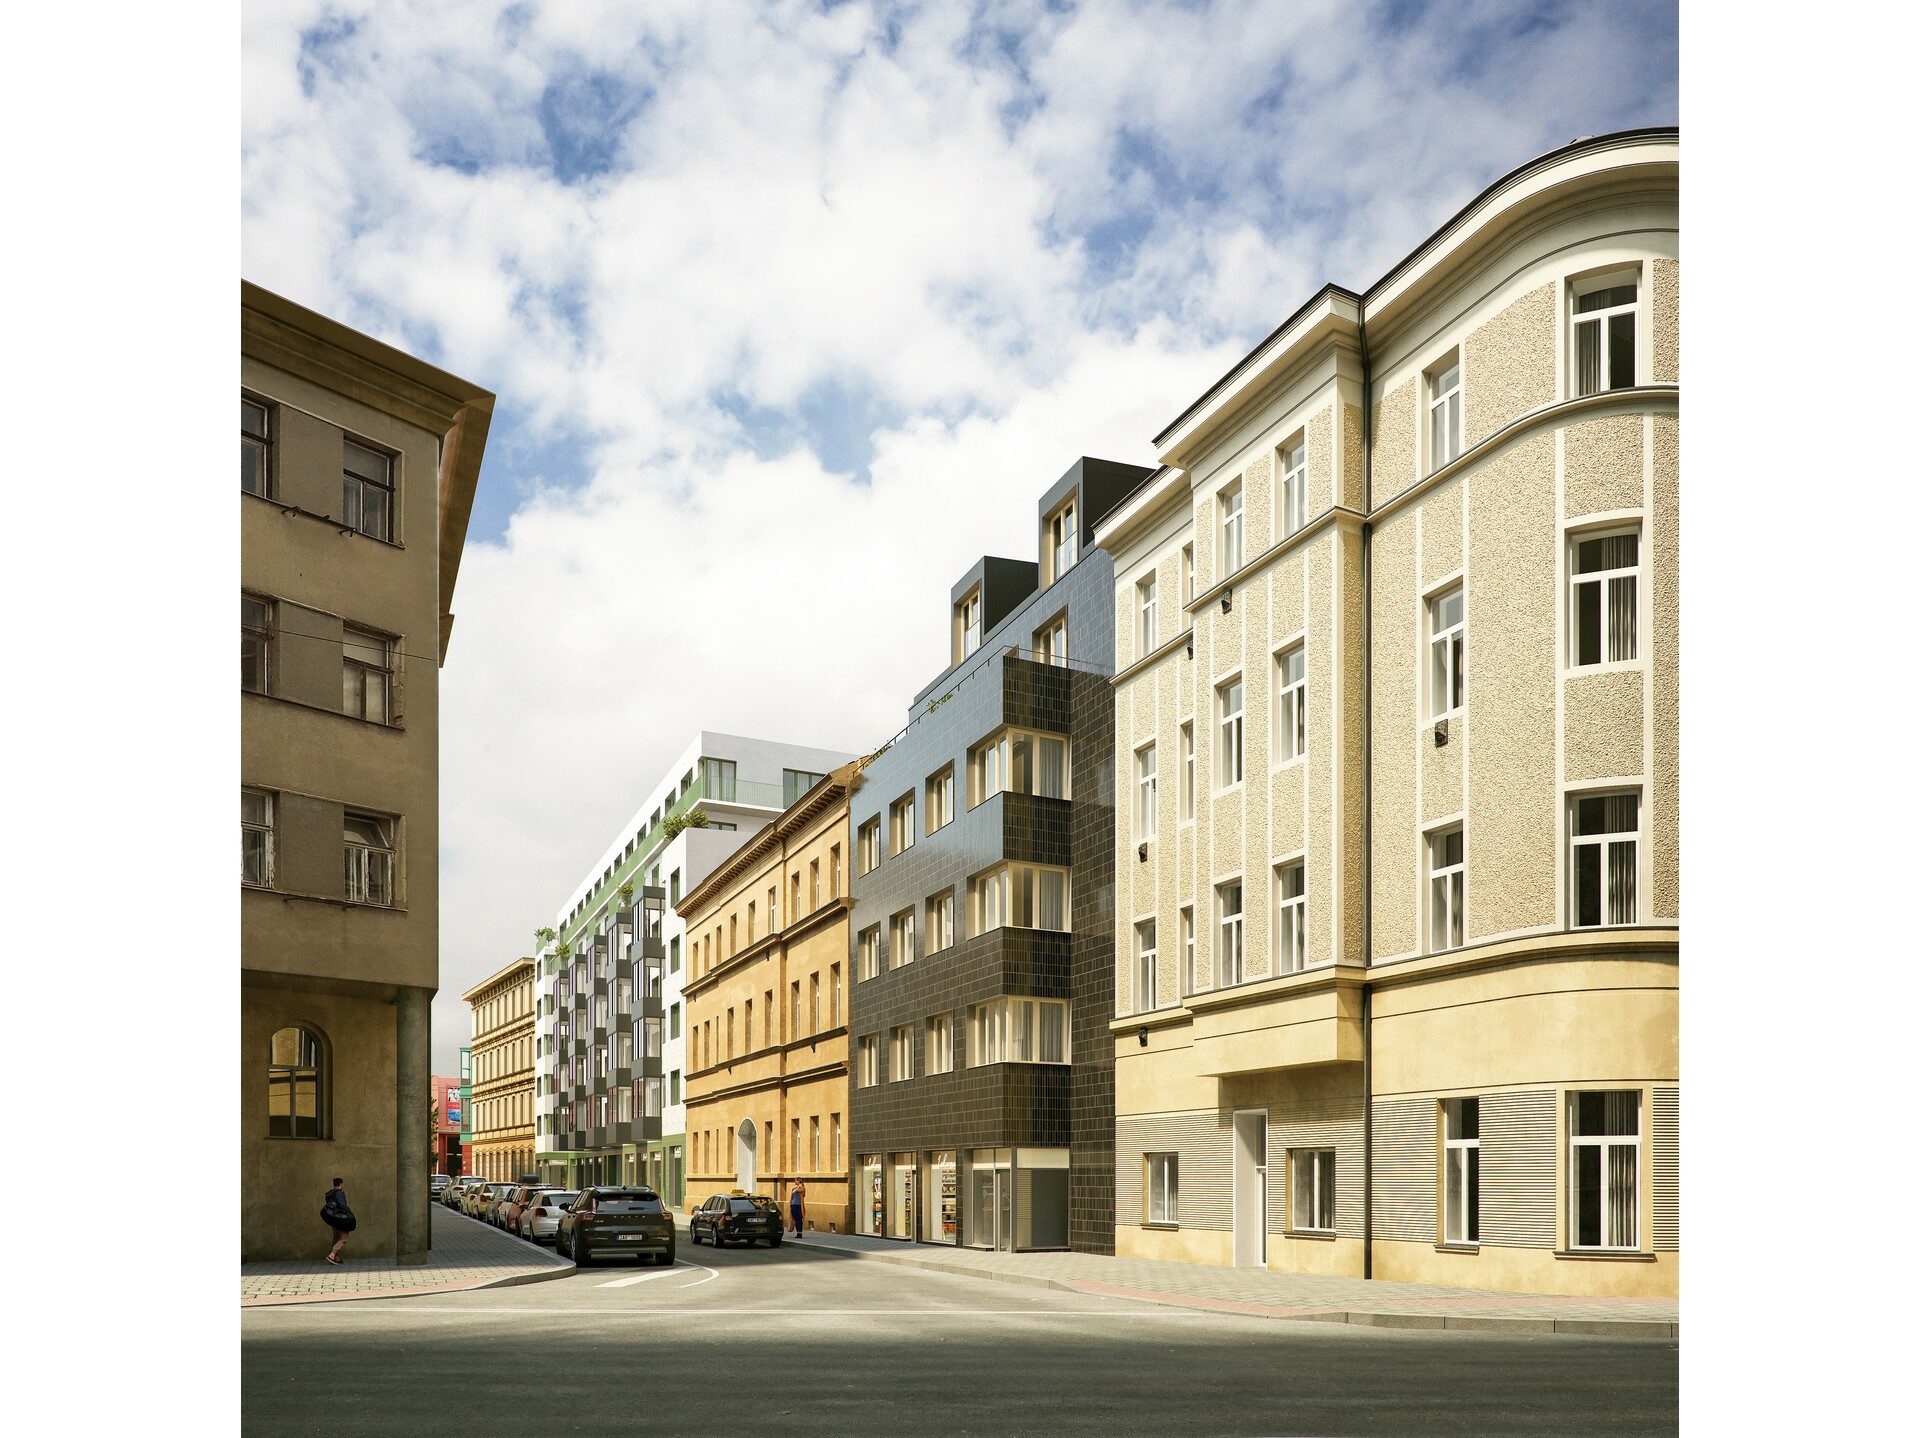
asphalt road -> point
(792, 1343)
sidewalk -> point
(1374, 1302)
(466, 1253)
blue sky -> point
(762, 281)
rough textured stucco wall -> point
(1443, 767)
(1353, 458)
(1603, 715)
(1257, 485)
(1319, 461)
(1508, 364)
(1662, 819)
(1396, 658)
(1511, 788)
(1257, 660)
(1350, 753)
(1604, 469)
(1396, 433)
(1663, 309)
(1323, 758)
(1441, 542)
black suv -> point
(737, 1217)
(608, 1221)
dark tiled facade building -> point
(982, 991)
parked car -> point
(474, 1205)
(603, 1222)
(509, 1207)
(497, 1198)
(538, 1220)
(737, 1217)
(438, 1184)
(457, 1191)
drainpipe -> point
(1366, 813)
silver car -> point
(540, 1215)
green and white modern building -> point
(609, 1075)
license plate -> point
(631, 1237)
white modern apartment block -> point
(609, 1078)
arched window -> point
(296, 1085)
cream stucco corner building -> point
(1397, 876)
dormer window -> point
(968, 614)
(1063, 539)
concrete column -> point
(413, 1142)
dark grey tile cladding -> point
(1008, 1104)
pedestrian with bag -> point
(797, 1206)
(338, 1218)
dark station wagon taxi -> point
(737, 1217)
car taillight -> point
(539, 1213)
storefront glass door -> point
(988, 1217)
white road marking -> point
(712, 1273)
(392, 1309)
(645, 1277)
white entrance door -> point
(746, 1161)
(1250, 1188)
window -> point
(1290, 931)
(1163, 1188)
(366, 671)
(900, 819)
(673, 954)
(1604, 1170)
(1606, 846)
(1447, 671)
(1606, 598)
(1186, 578)
(674, 1021)
(673, 887)
(870, 845)
(256, 447)
(1146, 778)
(296, 1071)
(719, 779)
(1603, 327)
(1019, 760)
(835, 996)
(256, 837)
(369, 859)
(1293, 488)
(836, 1141)
(869, 953)
(1443, 413)
(813, 1004)
(969, 618)
(900, 938)
(367, 497)
(1232, 759)
(1186, 770)
(867, 1070)
(940, 799)
(1050, 642)
(1290, 705)
(940, 1044)
(1063, 536)
(1447, 865)
(1017, 1030)
(813, 889)
(940, 922)
(900, 1053)
(1020, 896)
(1232, 957)
(1146, 966)
(1313, 1190)
(1146, 603)
(1460, 1119)
(1186, 951)
(256, 644)
(813, 1143)
(1232, 530)
(833, 872)
(795, 784)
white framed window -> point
(1229, 704)
(869, 953)
(940, 1044)
(1606, 312)
(1063, 537)
(1018, 1030)
(256, 838)
(1233, 530)
(1146, 966)
(1446, 889)
(1290, 927)
(1020, 896)
(1020, 760)
(1443, 413)
(1231, 967)
(1146, 785)
(867, 1066)
(1146, 600)
(1290, 703)
(900, 820)
(1603, 1170)
(1605, 834)
(256, 644)
(366, 672)
(940, 922)
(939, 810)
(1186, 770)
(870, 845)
(1293, 487)
(1605, 612)
(1460, 1133)
(1447, 652)
(1050, 642)
(900, 938)
(1312, 1190)
(969, 622)
(1186, 950)
(1186, 579)
(369, 844)
(900, 1053)
(1163, 1188)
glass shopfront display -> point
(942, 1187)
(986, 1218)
(868, 1200)
(1040, 1198)
(901, 1186)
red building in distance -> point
(447, 1155)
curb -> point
(1463, 1323)
(513, 1280)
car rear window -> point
(560, 1196)
(627, 1203)
(745, 1205)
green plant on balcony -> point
(544, 936)
(678, 823)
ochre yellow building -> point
(1396, 873)
(502, 1006)
(766, 1011)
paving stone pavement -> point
(466, 1253)
(1375, 1302)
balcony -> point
(1291, 1022)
